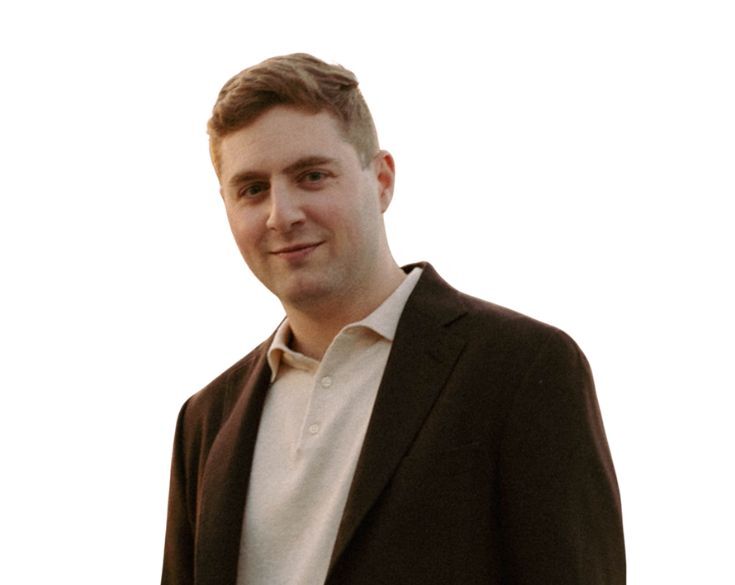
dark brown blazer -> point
(485, 460)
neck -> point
(315, 327)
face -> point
(306, 215)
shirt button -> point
(326, 382)
(314, 429)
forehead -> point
(279, 137)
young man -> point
(392, 430)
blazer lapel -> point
(225, 480)
(423, 355)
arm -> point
(178, 555)
(560, 507)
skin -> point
(308, 220)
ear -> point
(385, 172)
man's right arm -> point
(178, 558)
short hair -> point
(299, 80)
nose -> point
(285, 209)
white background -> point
(572, 160)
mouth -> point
(295, 248)
(296, 251)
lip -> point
(296, 251)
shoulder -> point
(501, 353)
(482, 322)
(535, 357)
(514, 329)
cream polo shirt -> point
(310, 435)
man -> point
(392, 430)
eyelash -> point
(305, 177)
(317, 176)
(244, 192)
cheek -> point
(245, 232)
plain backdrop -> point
(571, 160)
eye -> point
(313, 178)
(253, 190)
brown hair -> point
(297, 80)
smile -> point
(296, 251)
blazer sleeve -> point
(560, 507)
(178, 556)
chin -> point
(302, 294)
(308, 289)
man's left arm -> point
(560, 506)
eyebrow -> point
(299, 165)
(306, 162)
